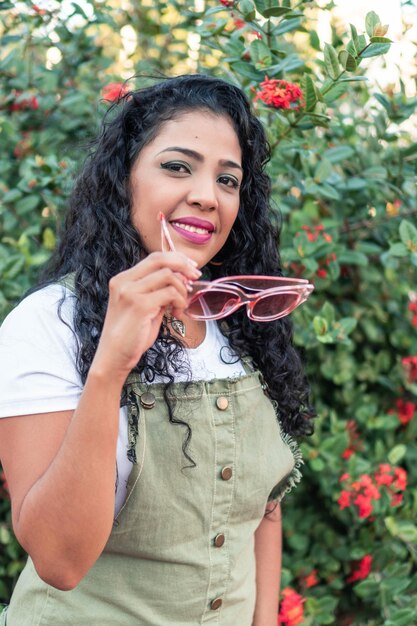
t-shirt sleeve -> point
(38, 356)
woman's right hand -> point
(138, 299)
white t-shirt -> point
(38, 371)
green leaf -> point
(352, 257)
(12, 195)
(335, 92)
(276, 11)
(247, 70)
(323, 170)
(355, 38)
(408, 234)
(260, 54)
(248, 9)
(375, 50)
(339, 153)
(27, 204)
(371, 20)
(331, 61)
(401, 617)
(347, 61)
(380, 40)
(310, 94)
(397, 454)
(320, 326)
(368, 588)
(398, 249)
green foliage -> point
(343, 169)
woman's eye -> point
(229, 181)
(176, 166)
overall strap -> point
(68, 281)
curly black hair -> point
(98, 240)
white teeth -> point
(192, 229)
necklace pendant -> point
(178, 326)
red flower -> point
(410, 366)
(345, 499)
(362, 570)
(38, 10)
(291, 610)
(239, 24)
(227, 3)
(400, 481)
(24, 103)
(114, 91)
(405, 411)
(321, 273)
(280, 94)
(311, 580)
(364, 504)
(413, 308)
(397, 499)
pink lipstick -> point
(193, 229)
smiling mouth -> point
(192, 229)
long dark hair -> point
(98, 239)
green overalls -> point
(182, 547)
(181, 551)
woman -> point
(109, 380)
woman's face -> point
(191, 172)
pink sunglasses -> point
(266, 298)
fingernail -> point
(197, 272)
(193, 262)
(189, 287)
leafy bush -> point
(343, 172)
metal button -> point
(227, 473)
(216, 604)
(147, 400)
(219, 540)
(222, 403)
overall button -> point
(222, 403)
(219, 540)
(216, 604)
(147, 400)
(227, 473)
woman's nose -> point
(203, 194)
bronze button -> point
(147, 400)
(216, 604)
(222, 403)
(227, 473)
(219, 540)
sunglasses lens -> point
(278, 304)
(212, 303)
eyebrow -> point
(198, 157)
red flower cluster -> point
(280, 94)
(362, 569)
(363, 492)
(410, 366)
(291, 610)
(313, 234)
(405, 411)
(114, 91)
(413, 308)
(20, 104)
(354, 440)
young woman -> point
(147, 445)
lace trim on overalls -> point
(294, 477)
